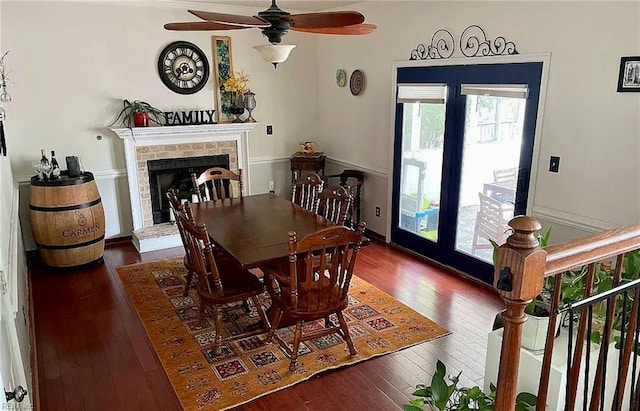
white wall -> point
(73, 62)
(594, 129)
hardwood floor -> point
(93, 353)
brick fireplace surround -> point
(153, 143)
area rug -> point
(249, 368)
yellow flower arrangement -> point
(238, 82)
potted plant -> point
(237, 84)
(441, 395)
(138, 113)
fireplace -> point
(176, 173)
(147, 144)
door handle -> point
(18, 394)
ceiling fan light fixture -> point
(274, 53)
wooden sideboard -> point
(313, 164)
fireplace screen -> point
(176, 173)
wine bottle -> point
(55, 167)
(45, 164)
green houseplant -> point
(138, 113)
(447, 396)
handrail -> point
(591, 249)
(520, 268)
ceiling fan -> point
(275, 23)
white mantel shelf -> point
(149, 136)
(167, 135)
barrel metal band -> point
(70, 246)
(66, 208)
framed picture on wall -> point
(629, 77)
(222, 70)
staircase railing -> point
(521, 268)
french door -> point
(463, 148)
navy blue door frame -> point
(443, 250)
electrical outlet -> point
(554, 164)
(272, 186)
(269, 130)
(377, 211)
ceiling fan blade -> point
(328, 19)
(200, 26)
(356, 29)
(231, 19)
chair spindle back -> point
(305, 191)
(216, 183)
(321, 264)
(335, 204)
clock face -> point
(183, 67)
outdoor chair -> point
(492, 222)
(507, 174)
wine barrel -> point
(67, 220)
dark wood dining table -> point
(254, 230)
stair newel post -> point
(518, 277)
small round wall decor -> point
(183, 67)
(356, 82)
(341, 78)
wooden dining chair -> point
(177, 208)
(352, 180)
(220, 282)
(216, 183)
(335, 204)
(305, 191)
(316, 285)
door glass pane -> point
(422, 143)
(491, 155)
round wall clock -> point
(356, 82)
(183, 67)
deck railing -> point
(520, 271)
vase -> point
(237, 106)
(250, 104)
(141, 119)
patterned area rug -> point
(249, 368)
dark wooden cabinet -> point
(312, 164)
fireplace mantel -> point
(137, 137)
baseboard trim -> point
(375, 236)
(442, 266)
(35, 394)
(111, 242)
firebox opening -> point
(176, 173)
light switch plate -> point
(554, 164)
